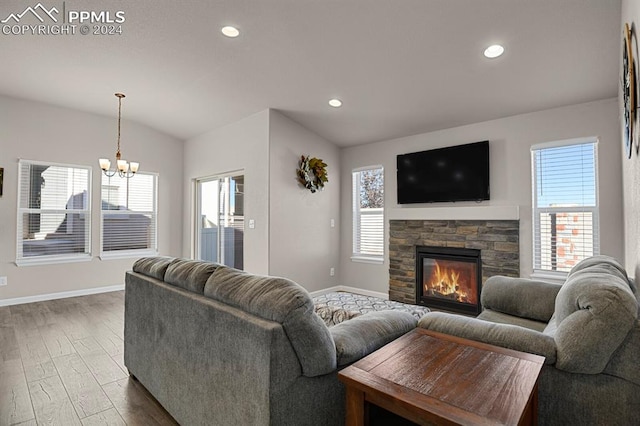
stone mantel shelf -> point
(454, 213)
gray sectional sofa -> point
(218, 346)
(587, 329)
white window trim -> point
(49, 260)
(363, 257)
(378, 260)
(53, 259)
(565, 142)
(560, 276)
(557, 277)
(126, 254)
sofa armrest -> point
(360, 336)
(520, 297)
(504, 335)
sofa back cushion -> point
(189, 274)
(595, 310)
(520, 297)
(155, 266)
(283, 301)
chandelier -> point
(123, 168)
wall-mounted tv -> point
(454, 173)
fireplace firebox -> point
(449, 278)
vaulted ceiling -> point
(400, 67)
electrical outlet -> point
(3, 280)
(332, 271)
(333, 223)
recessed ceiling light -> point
(493, 51)
(336, 103)
(230, 31)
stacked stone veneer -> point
(498, 241)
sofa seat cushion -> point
(283, 301)
(502, 318)
(154, 267)
(505, 335)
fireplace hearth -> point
(449, 278)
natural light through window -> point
(220, 222)
(565, 204)
(54, 213)
(368, 214)
(129, 216)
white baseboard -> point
(61, 295)
(350, 290)
(96, 290)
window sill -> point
(554, 277)
(127, 254)
(52, 260)
(378, 260)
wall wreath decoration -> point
(312, 173)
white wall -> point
(36, 131)
(302, 245)
(631, 167)
(510, 141)
(243, 145)
(292, 235)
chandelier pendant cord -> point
(122, 168)
(120, 96)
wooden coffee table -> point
(433, 378)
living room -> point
(297, 234)
(277, 203)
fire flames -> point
(445, 282)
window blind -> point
(54, 213)
(368, 213)
(129, 215)
(565, 204)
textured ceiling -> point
(401, 67)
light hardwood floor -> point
(61, 363)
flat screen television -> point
(454, 173)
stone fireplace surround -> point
(498, 241)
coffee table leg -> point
(355, 407)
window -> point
(220, 221)
(565, 204)
(368, 214)
(54, 213)
(129, 216)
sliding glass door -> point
(220, 219)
